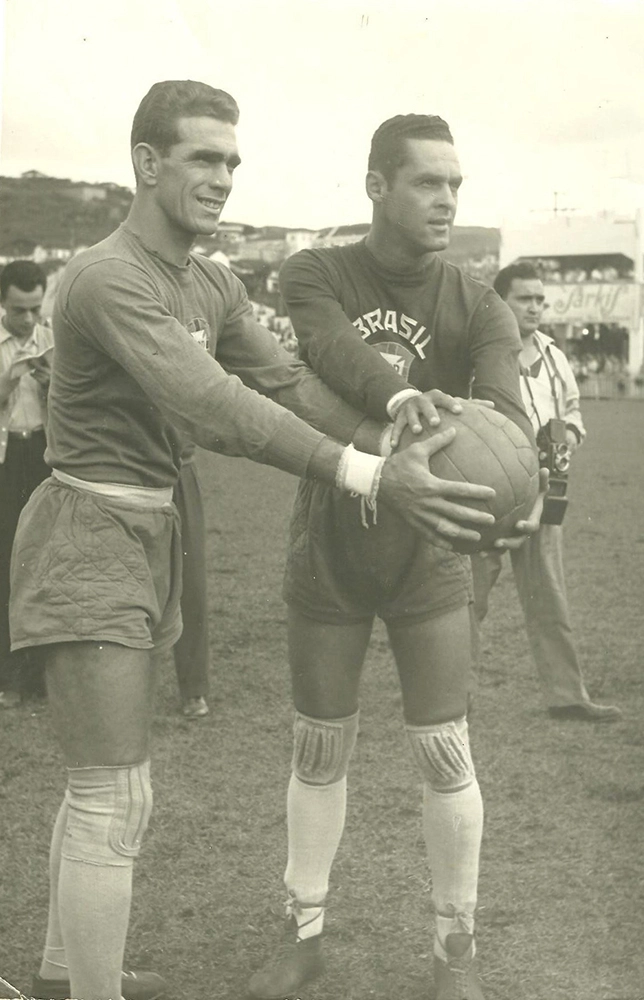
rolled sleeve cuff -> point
(398, 399)
(577, 430)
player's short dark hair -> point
(523, 271)
(22, 274)
(388, 145)
(155, 121)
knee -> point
(322, 748)
(442, 754)
(109, 809)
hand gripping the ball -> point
(429, 504)
(488, 449)
(531, 524)
(422, 410)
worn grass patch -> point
(562, 870)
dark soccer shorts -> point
(87, 567)
(339, 572)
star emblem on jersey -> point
(398, 356)
(199, 331)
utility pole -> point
(556, 207)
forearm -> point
(368, 436)
(233, 420)
(574, 421)
(351, 367)
(573, 417)
(324, 461)
(497, 379)
(251, 352)
(494, 348)
(302, 392)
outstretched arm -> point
(494, 346)
(431, 505)
(248, 350)
(216, 410)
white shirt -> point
(25, 409)
(553, 390)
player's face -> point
(527, 301)
(196, 176)
(419, 204)
(22, 311)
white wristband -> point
(358, 472)
(398, 399)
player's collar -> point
(155, 253)
(401, 277)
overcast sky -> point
(541, 97)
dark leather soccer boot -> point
(294, 964)
(136, 984)
(456, 979)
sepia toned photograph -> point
(321, 500)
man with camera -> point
(551, 398)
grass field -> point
(562, 879)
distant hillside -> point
(467, 242)
(36, 210)
(52, 212)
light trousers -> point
(539, 577)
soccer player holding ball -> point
(392, 328)
(154, 343)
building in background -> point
(593, 271)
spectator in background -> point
(549, 391)
(24, 380)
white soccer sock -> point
(452, 827)
(107, 815)
(316, 816)
(94, 907)
(54, 961)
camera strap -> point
(545, 357)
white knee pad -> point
(322, 748)
(442, 753)
(109, 809)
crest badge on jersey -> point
(199, 331)
(398, 356)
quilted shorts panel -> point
(90, 568)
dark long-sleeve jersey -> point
(145, 348)
(435, 328)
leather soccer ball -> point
(491, 450)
